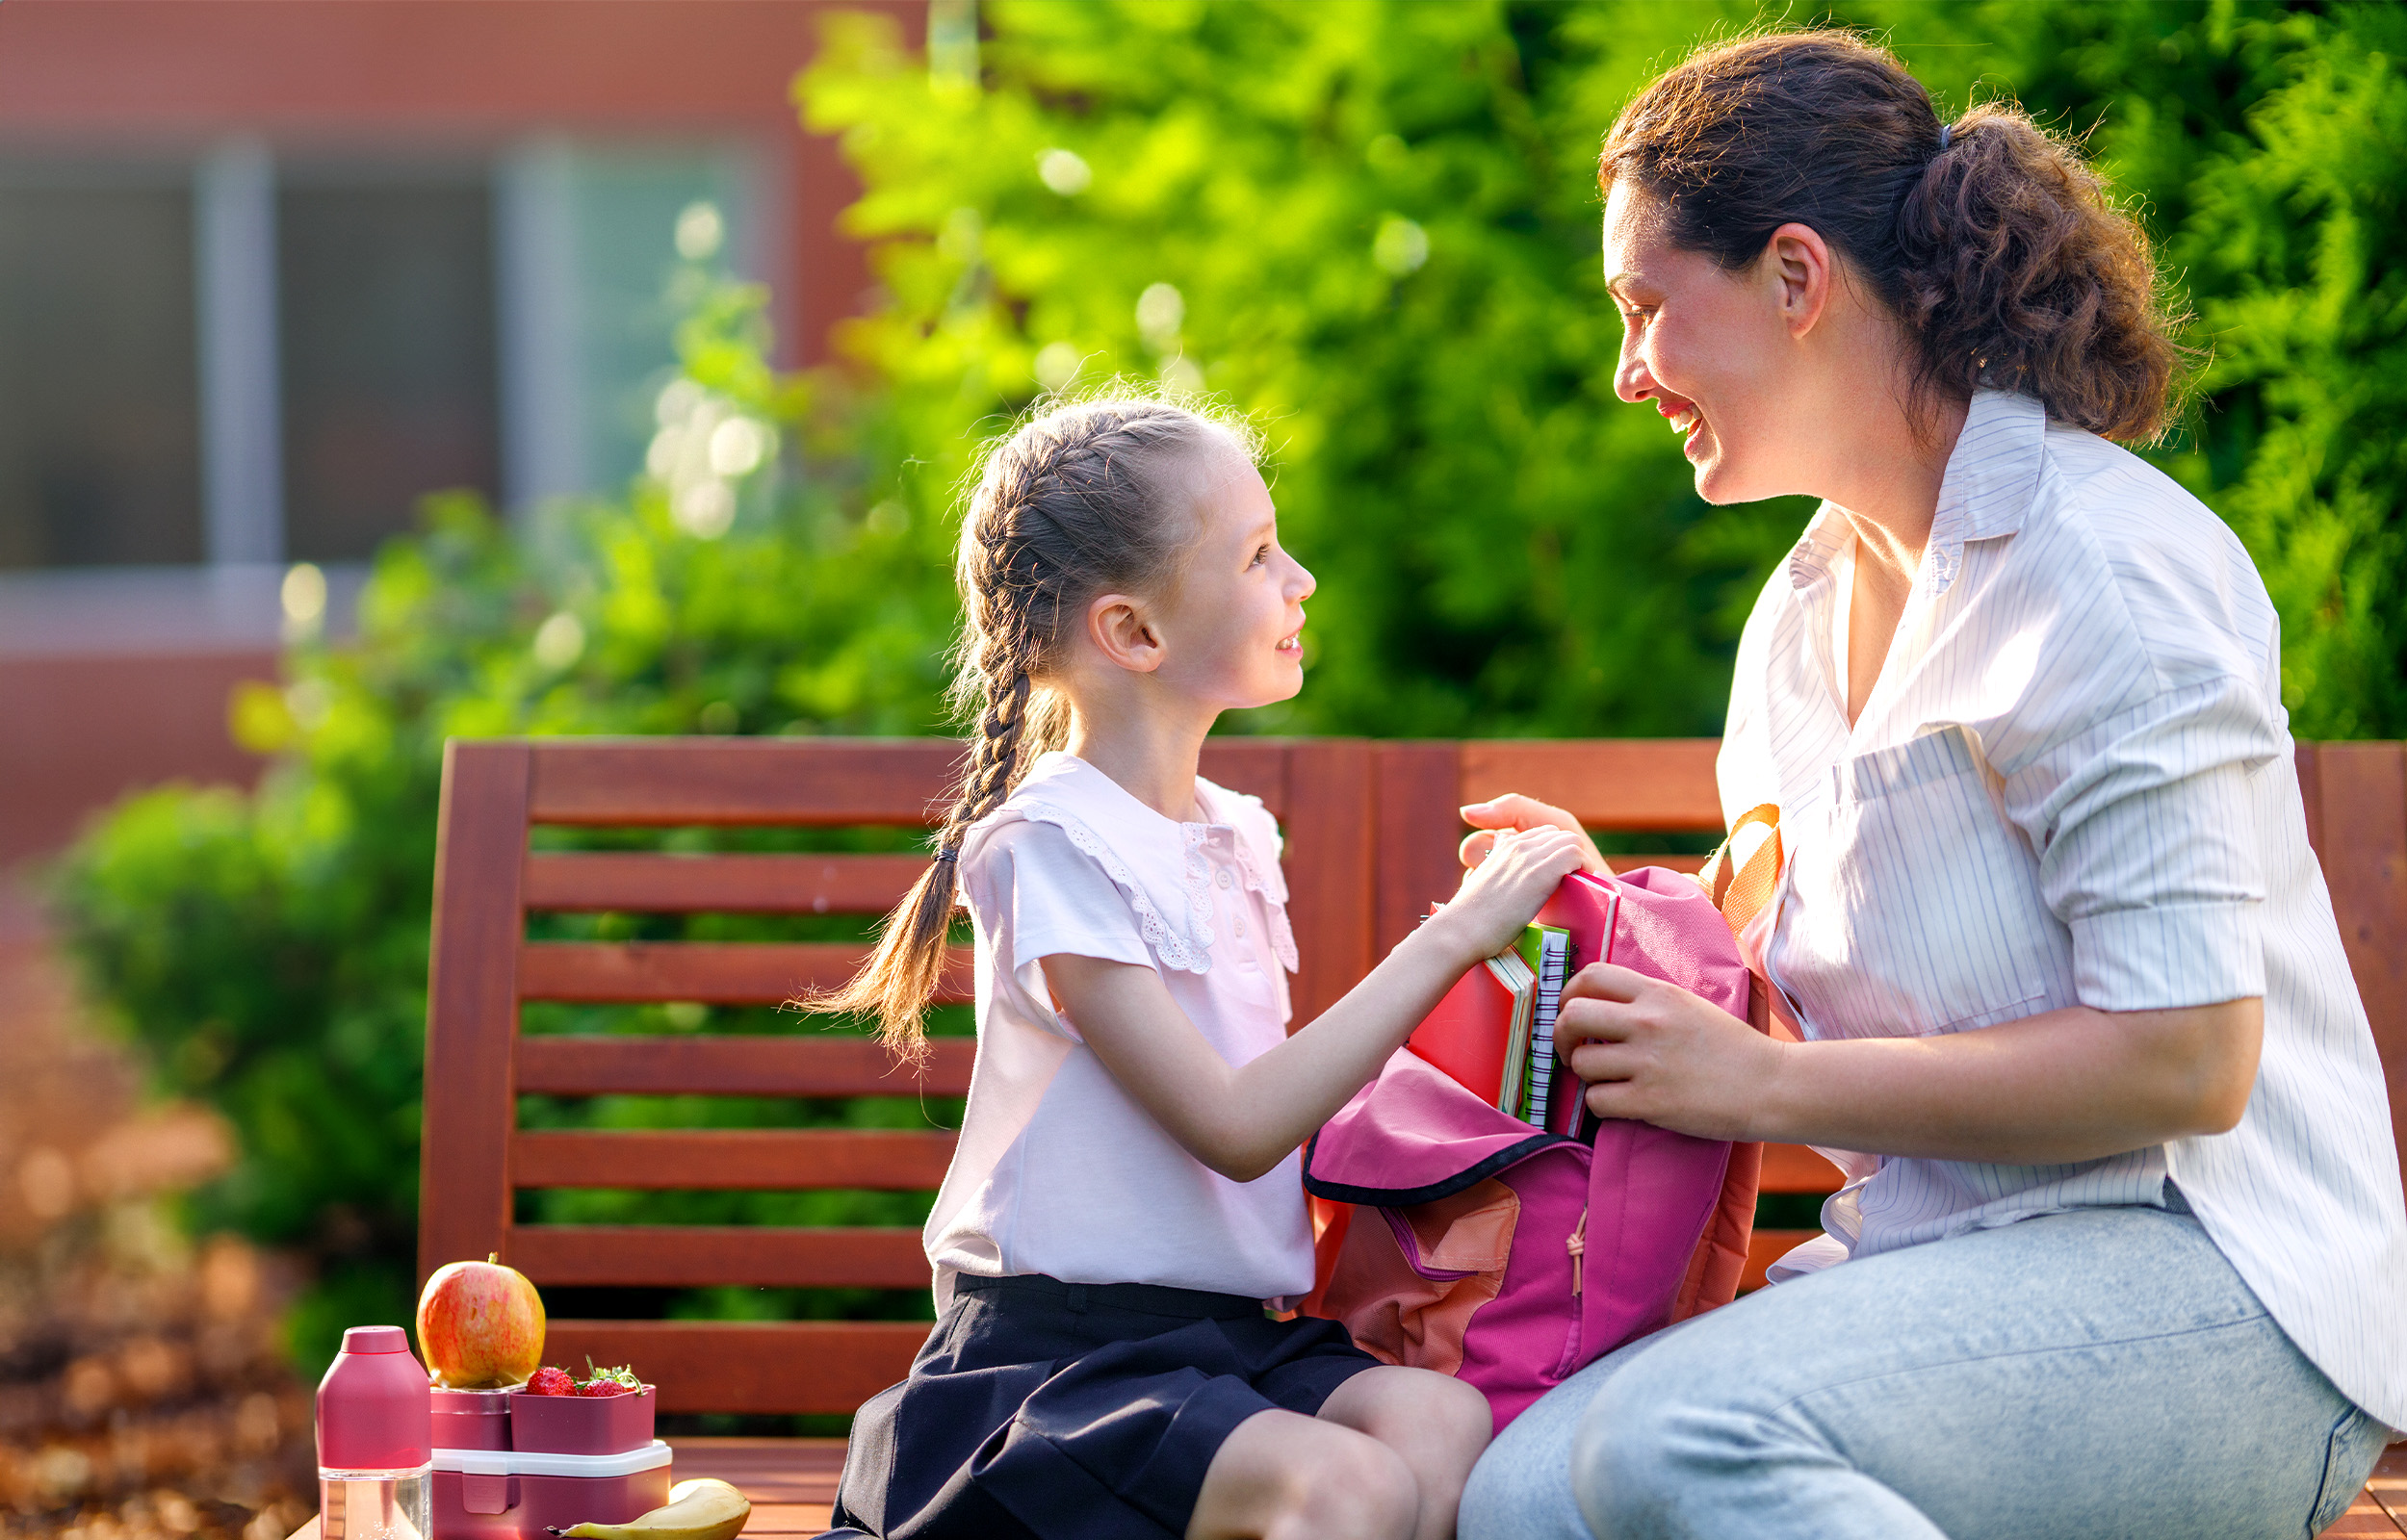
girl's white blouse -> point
(2073, 784)
(1059, 1170)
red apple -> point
(480, 1325)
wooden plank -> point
(2303, 756)
(1331, 840)
(766, 1469)
(646, 884)
(1691, 864)
(1795, 1168)
(769, 1518)
(696, 1256)
(712, 972)
(1255, 766)
(810, 781)
(748, 1366)
(732, 1159)
(1764, 1248)
(2364, 794)
(2387, 1487)
(471, 1014)
(801, 1066)
(1418, 790)
(1625, 784)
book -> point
(1588, 908)
(1479, 1032)
(1546, 949)
(1495, 1030)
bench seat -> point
(1370, 832)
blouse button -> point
(1223, 879)
(1239, 927)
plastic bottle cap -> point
(374, 1340)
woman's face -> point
(1715, 350)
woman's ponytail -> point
(2017, 270)
(2002, 253)
(1082, 501)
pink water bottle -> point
(376, 1440)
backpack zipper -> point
(1576, 1243)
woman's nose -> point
(1631, 381)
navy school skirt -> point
(1060, 1411)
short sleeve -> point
(1035, 894)
(2146, 829)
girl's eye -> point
(1260, 556)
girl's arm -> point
(1242, 1121)
(2058, 1087)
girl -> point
(1126, 1200)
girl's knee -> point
(1353, 1486)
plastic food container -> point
(473, 1418)
(582, 1425)
(518, 1494)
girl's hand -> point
(1505, 891)
(1654, 1052)
(1512, 811)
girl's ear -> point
(1118, 626)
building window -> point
(99, 396)
(385, 328)
(250, 357)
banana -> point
(704, 1508)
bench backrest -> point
(1370, 834)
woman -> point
(2122, 1247)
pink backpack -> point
(1510, 1256)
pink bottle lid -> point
(375, 1406)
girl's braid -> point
(1078, 503)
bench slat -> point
(1795, 1168)
(1661, 785)
(828, 1066)
(732, 1159)
(693, 1256)
(712, 972)
(639, 882)
(747, 1366)
(668, 782)
(2364, 855)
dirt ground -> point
(143, 1392)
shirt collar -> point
(1992, 475)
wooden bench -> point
(1370, 827)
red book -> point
(1471, 1035)
(1588, 907)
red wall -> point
(89, 72)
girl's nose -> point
(1302, 583)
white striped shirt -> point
(2073, 784)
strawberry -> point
(550, 1382)
(619, 1381)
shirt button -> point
(1223, 879)
(1239, 927)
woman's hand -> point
(1515, 812)
(1654, 1052)
(1505, 891)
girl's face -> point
(1710, 347)
(1230, 624)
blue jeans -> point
(2098, 1373)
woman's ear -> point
(1802, 269)
(1118, 626)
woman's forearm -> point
(2059, 1087)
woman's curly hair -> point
(1999, 251)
